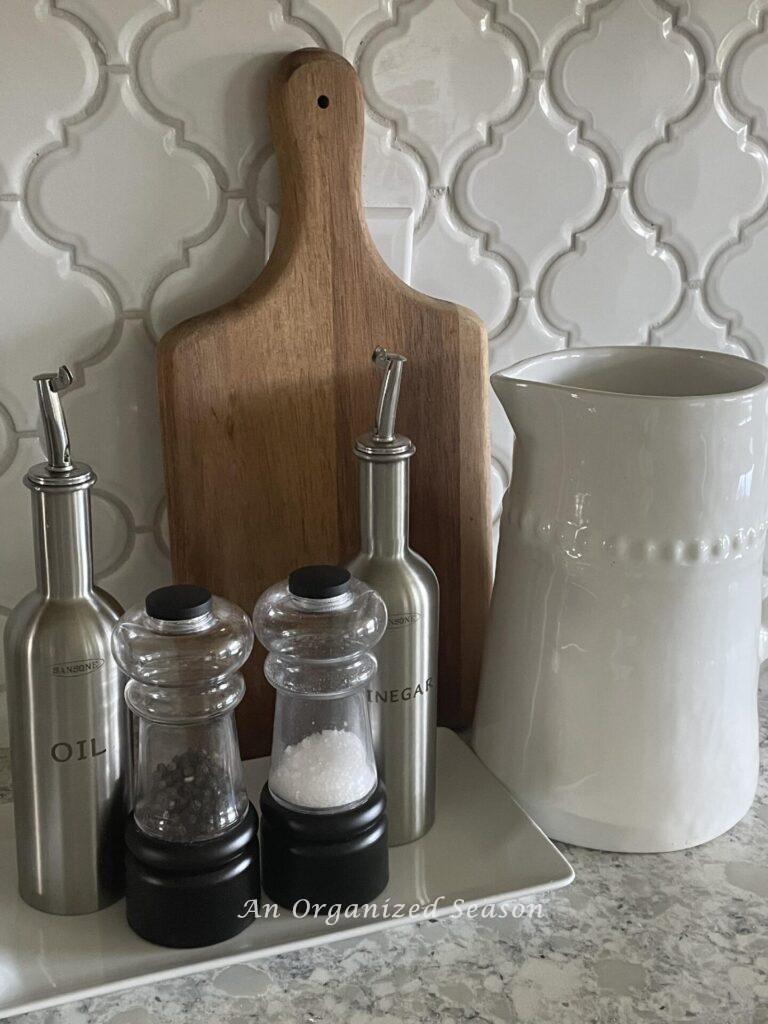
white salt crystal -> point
(325, 769)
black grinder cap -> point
(319, 581)
(178, 602)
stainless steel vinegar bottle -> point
(68, 723)
(403, 700)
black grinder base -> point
(192, 894)
(324, 859)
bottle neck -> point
(62, 535)
(384, 497)
(181, 627)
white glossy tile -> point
(146, 569)
(696, 326)
(451, 264)
(341, 24)
(114, 424)
(125, 194)
(747, 79)
(704, 182)
(8, 439)
(442, 73)
(714, 24)
(738, 289)
(209, 69)
(544, 24)
(115, 23)
(113, 531)
(533, 188)
(616, 285)
(527, 335)
(219, 269)
(49, 314)
(625, 75)
(48, 72)
(391, 175)
(17, 565)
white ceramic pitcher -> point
(618, 699)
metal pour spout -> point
(389, 395)
(382, 443)
(55, 426)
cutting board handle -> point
(316, 112)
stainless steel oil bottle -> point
(69, 744)
(403, 700)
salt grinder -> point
(323, 808)
(68, 725)
(403, 697)
(192, 863)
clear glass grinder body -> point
(320, 664)
(184, 685)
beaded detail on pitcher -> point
(582, 542)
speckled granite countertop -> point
(671, 937)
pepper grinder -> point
(403, 699)
(192, 861)
(68, 725)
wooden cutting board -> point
(261, 400)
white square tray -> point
(482, 848)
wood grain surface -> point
(261, 400)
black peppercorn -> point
(191, 798)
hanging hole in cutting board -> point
(323, 102)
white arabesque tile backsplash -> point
(578, 173)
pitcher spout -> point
(538, 391)
(521, 401)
